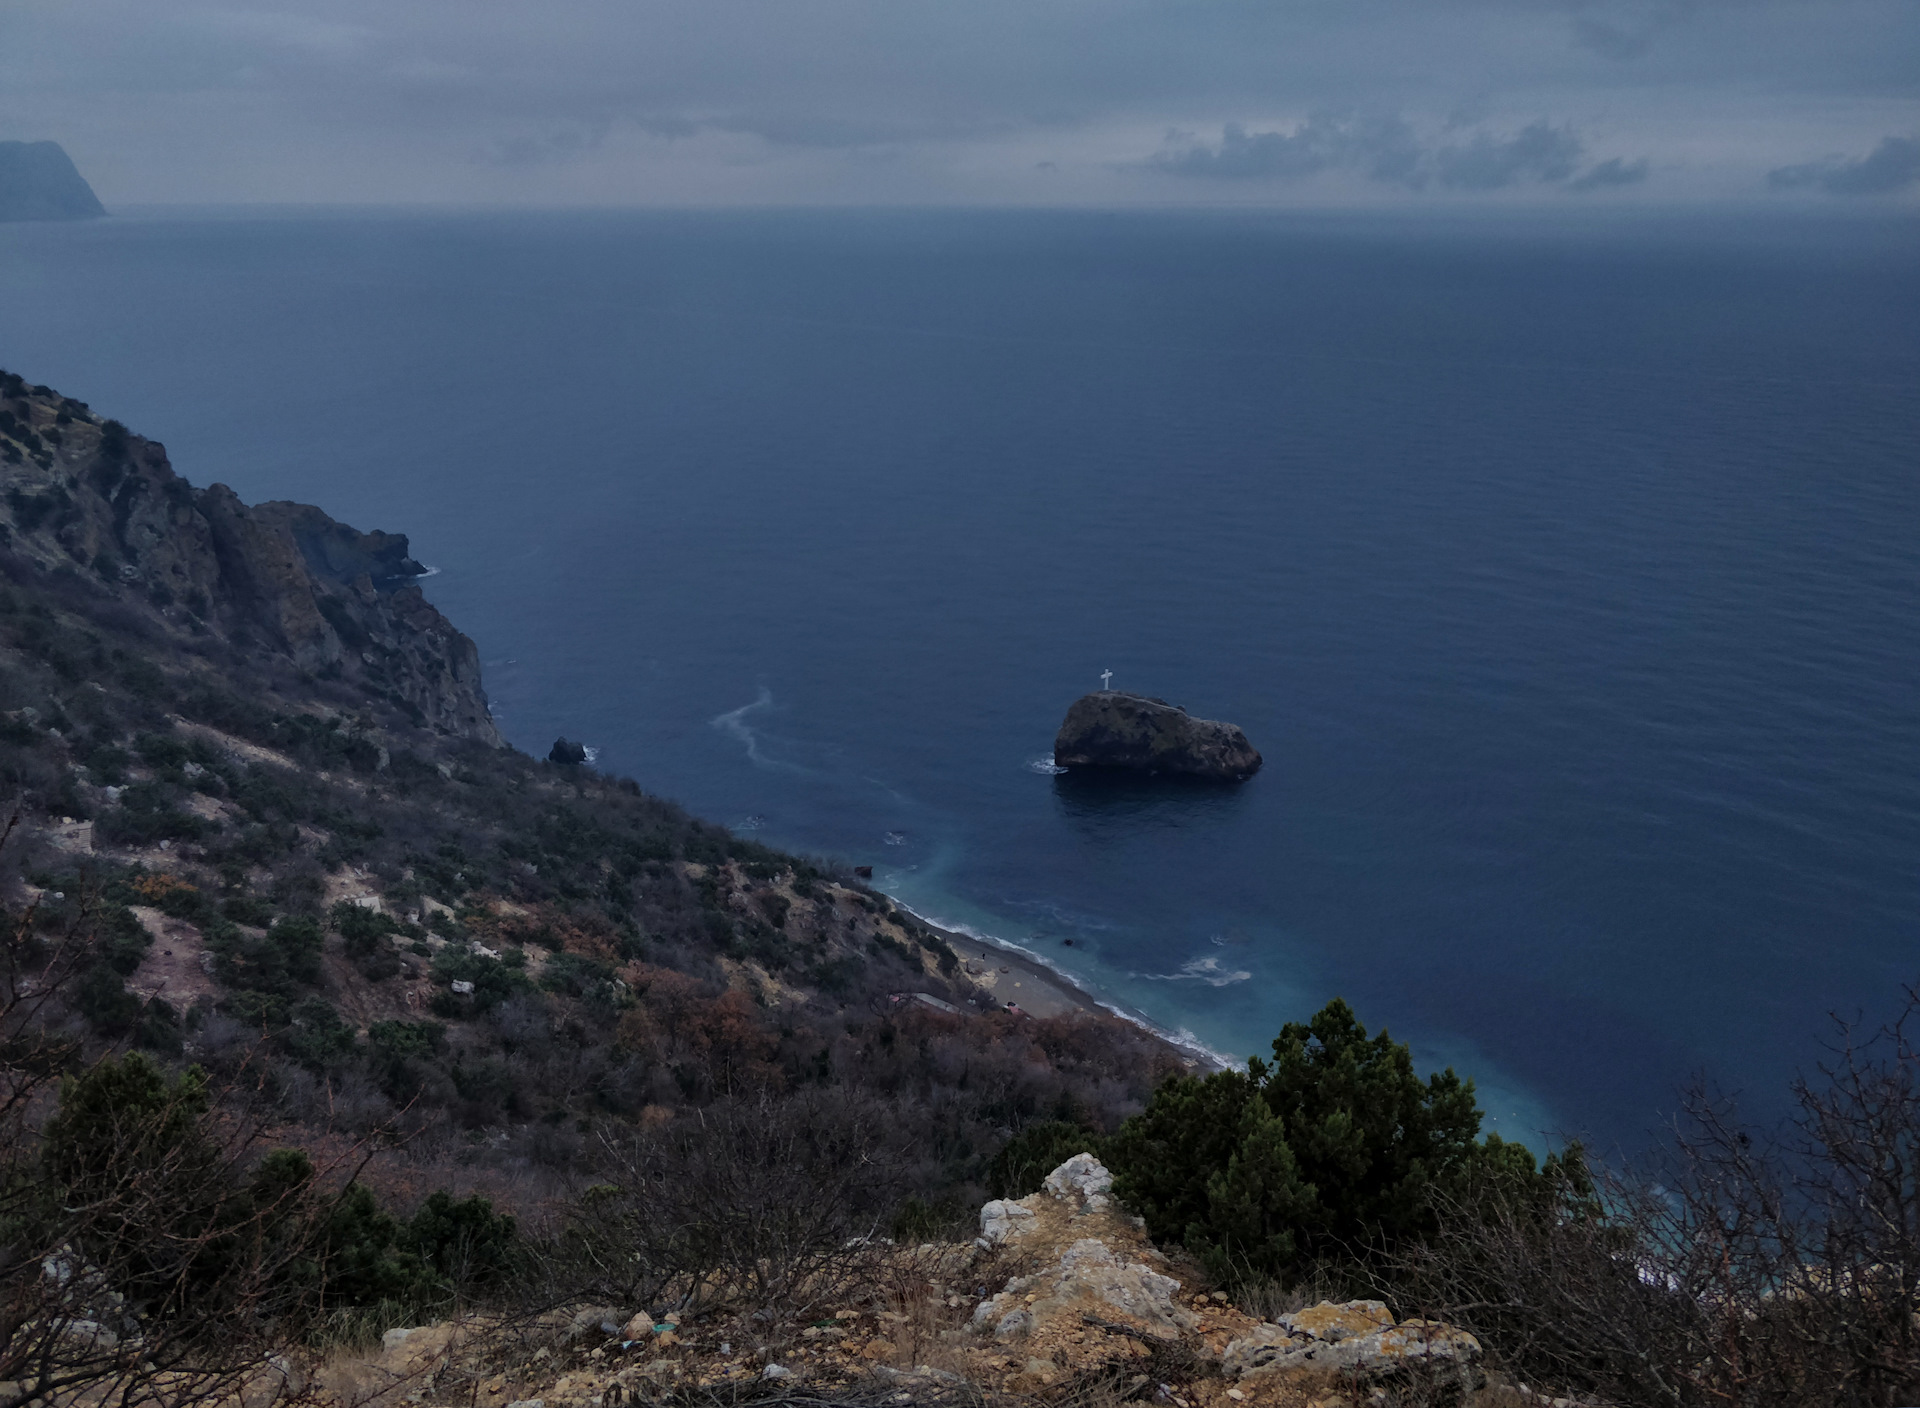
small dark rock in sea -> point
(569, 753)
(1111, 729)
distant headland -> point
(38, 181)
(1113, 729)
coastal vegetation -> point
(1333, 1155)
(323, 1015)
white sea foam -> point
(1046, 767)
(427, 570)
(734, 722)
(593, 755)
(1208, 970)
(896, 838)
(1181, 1038)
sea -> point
(1565, 571)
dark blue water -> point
(1568, 581)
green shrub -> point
(1024, 1162)
(463, 1242)
(248, 910)
(265, 975)
(147, 821)
(364, 934)
(315, 1034)
(350, 1252)
(129, 1148)
(407, 1038)
(579, 976)
(1335, 1150)
(121, 940)
(493, 982)
(120, 1116)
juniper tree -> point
(1332, 1150)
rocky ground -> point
(1061, 1299)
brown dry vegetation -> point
(441, 968)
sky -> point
(1262, 103)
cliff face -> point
(38, 181)
(81, 495)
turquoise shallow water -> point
(1566, 579)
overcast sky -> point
(1162, 102)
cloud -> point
(1892, 166)
(559, 145)
(1384, 147)
(905, 101)
(1388, 150)
(1612, 172)
(1538, 152)
(1612, 41)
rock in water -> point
(38, 181)
(567, 753)
(1109, 729)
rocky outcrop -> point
(84, 496)
(1089, 1279)
(38, 181)
(1098, 1283)
(1084, 1309)
(1111, 729)
(1355, 1339)
(1094, 1294)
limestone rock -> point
(1095, 1267)
(1357, 1338)
(1004, 1221)
(1088, 1280)
(1083, 1179)
(407, 1351)
(1131, 732)
(1332, 1322)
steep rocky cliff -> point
(38, 181)
(79, 495)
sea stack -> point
(1112, 729)
(39, 182)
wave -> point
(734, 722)
(1178, 1037)
(1046, 767)
(1208, 970)
(593, 754)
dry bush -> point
(143, 1257)
(759, 1205)
(1746, 1269)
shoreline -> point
(1011, 974)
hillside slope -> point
(253, 760)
